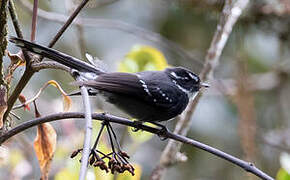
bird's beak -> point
(204, 85)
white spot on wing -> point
(145, 87)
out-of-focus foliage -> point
(143, 58)
(283, 175)
(284, 171)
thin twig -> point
(231, 12)
(122, 26)
(34, 20)
(99, 136)
(101, 117)
(28, 73)
(68, 22)
(88, 133)
(14, 19)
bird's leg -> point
(162, 131)
(137, 124)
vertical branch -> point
(244, 101)
(34, 19)
(3, 46)
(3, 34)
(29, 71)
(230, 14)
(88, 133)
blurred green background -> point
(245, 112)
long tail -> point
(57, 56)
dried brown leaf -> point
(67, 102)
(44, 146)
(23, 100)
(16, 61)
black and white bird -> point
(148, 96)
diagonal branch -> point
(68, 22)
(249, 167)
(122, 26)
(29, 72)
(230, 14)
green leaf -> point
(143, 58)
(282, 175)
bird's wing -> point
(130, 85)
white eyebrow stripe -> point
(193, 76)
(175, 75)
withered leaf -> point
(44, 145)
(22, 99)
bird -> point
(148, 96)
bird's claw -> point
(162, 132)
(137, 128)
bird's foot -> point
(162, 132)
(137, 124)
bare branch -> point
(3, 34)
(14, 19)
(122, 26)
(28, 73)
(88, 133)
(68, 22)
(106, 117)
(50, 65)
(34, 20)
(231, 12)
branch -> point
(231, 12)
(50, 65)
(88, 133)
(14, 19)
(28, 73)
(3, 40)
(68, 22)
(34, 20)
(106, 117)
(122, 26)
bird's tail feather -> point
(55, 55)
